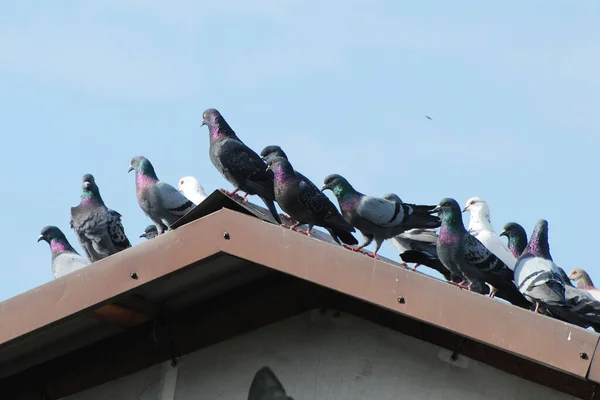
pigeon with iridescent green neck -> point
(65, 259)
(98, 228)
(306, 204)
(266, 386)
(517, 238)
(464, 255)
(375, 217)
(238, 163)
(161, 202)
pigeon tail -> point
(271, 206)
(343, 235)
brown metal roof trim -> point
(535, 337)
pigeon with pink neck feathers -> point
(238, 163)
(161, 202)
(65, 259)
(98, 228)
(583, 281)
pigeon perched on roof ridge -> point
(238, 164)
(192, 189)
(466, 256)
(150, 232)
(375, 217)
(98, 228)
(161, 202)
(65, 259)
(306, 204)
(480, 226)
(583, 281)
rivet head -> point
(401, 300)
(133, 275)
(583, 356)
(226, 235)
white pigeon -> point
(192, 189)
(480, 226)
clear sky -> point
(513, 88)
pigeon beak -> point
(324, 188)
(86, 185)
(202, 124)
(503, 233)
(465, 209)
(436, 210)
(143, 235)
(130, 169)
(41, 238)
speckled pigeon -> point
(150, 232)
(266, 386)
(462, 253)
(65, 259)
(375, 217)
(98, 228)
(161, 202)
(238, 164)
(306, 204)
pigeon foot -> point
(416, 266)
(287, 217)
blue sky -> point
(513, 88)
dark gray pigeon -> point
(239, 164)
(98, 228)
(375, 217)
(150, 232)
(464, 255)
(65, 259)
(266, 386)
(161, 202)
(517, 238)
(306, 204)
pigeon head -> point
(517, 238)
(142, 166)
(55, 238)
(150, 232)
(581, 279)
(538, 242)
(217, 126)
(190, 184)
(280, 165)
(477, 206)
(449, 212)
(88, 187)
(338, 185)
(392, 197)
(272, 151)
(266, 386)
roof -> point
(221, 267)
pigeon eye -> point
(472, 201)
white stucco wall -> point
(323, 358)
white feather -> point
(192, 189)
(480, 226)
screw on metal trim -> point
(133, 275)
(583, 356)
(226, 235)
(401, 300)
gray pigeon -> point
(463, 254)
(266, 386)
(239, 164)
(65, 259)
(306, 204)
(97, 227)
(161, 202)
(150, 232)
(375, 217)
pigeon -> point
(414, 239)
(536, 275)
(306, 204)
(266, 386)
(65, 259)
(517, 238)
(238, 164)
(463, 254)
(161, 202)
(98, 228)
(584, 282)
(192, 189)
(375, 217)
(480, 226)
(150, 232)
